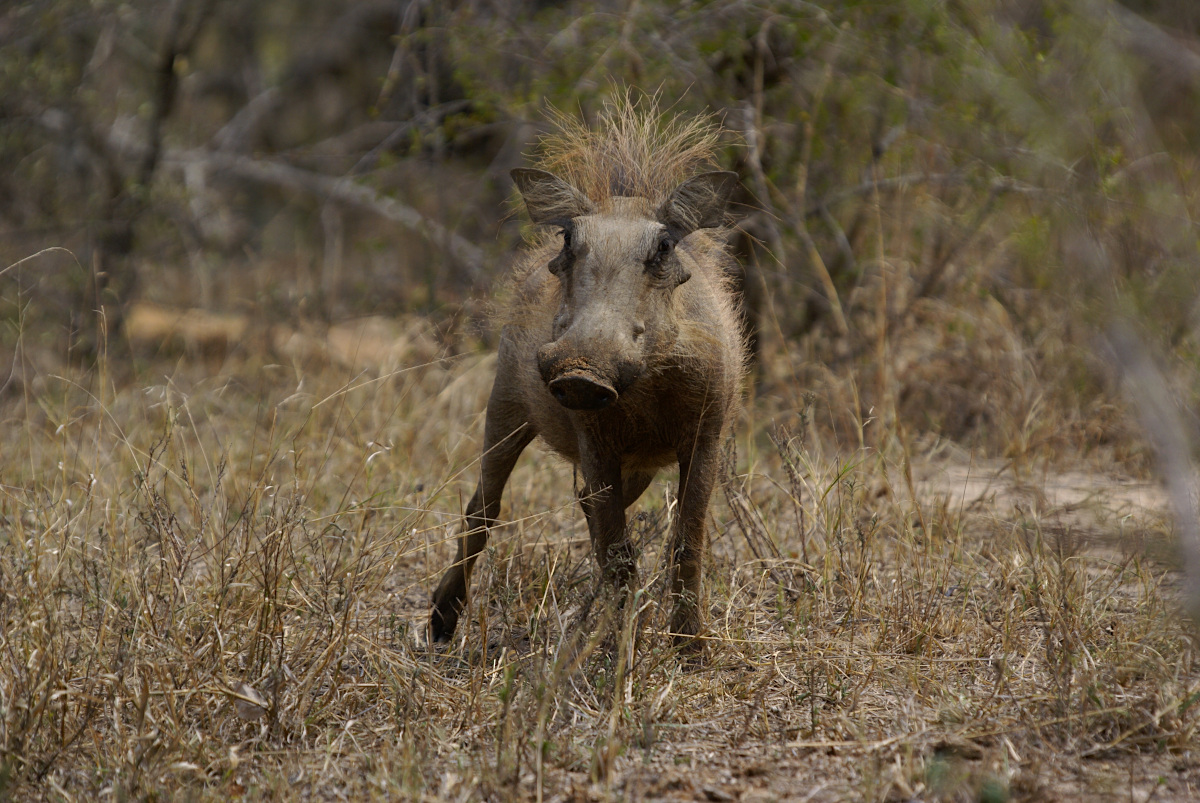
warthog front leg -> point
(603, 501)
(502, 446)
(697, 473)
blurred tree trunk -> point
(114, 277)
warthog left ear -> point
(699, 202)
(548, 198)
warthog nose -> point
(579, 391)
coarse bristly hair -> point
(634, 150)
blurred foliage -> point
(957, 195)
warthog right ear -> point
(699, 202)
(548, 198)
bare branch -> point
(340, 190)
(425, 118)
(176, 42)
(1170, 57)
(1159, 416)
(814, 255)
(903, 182)
(235, 134)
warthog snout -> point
(578, 383)
(574, 382)
(577, 390)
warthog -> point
(621, 345)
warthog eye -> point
(656, 261)
(566, 256)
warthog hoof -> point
(686, 625)
(442, 620)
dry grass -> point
(213, 583)
(926, 581)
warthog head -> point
(618, 270)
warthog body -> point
(621, 346)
